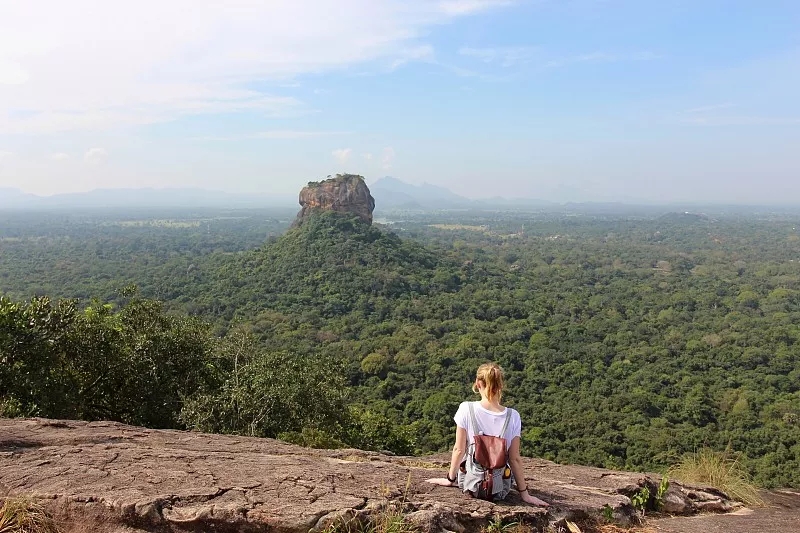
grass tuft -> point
(392, 521)
(23, 515)
(415, 463)
(612, 528)
(721, 470)
(389, 520)
(497, 526)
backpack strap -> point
(502, 434)
(473, 420)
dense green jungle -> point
(627, 339)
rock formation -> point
(106, 476)
(345, 193)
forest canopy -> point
(627, 341)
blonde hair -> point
(492, 377)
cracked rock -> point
(106, 476)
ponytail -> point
(492, 377)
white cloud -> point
(5, 154)
(388, 158)
(368, 156)
(95, 156)
(60, 156)
(193, 57)
(342, 155)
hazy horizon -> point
(165, 197)
(582, 100)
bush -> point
(263, 394)
(721, 470)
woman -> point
(491, 418)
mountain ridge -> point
(389, 193)
(141, 197)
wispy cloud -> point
(95, 156)
(272, 134)
(196, 57)
(709, 115)
(388, 157)
(466, 7)
(538, 57)
(12, 73)
(418, 53)
(342, 155)
(708, 108)
(602, 57)
(460, 71)
(59, 156)
(504, 56)
(741, 121)
(4, 154)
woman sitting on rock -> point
(487, 418)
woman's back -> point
(487, 416)
(488, 422)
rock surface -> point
(781, 513)
(106, 476)
(345, 193)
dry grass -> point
(414, 463)
(571, 527)
(496, 525)
(353, 458)
(389, 520)
(23, 515)
(721, 470)
(611, 528)
(519, 527)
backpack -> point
(485, 473)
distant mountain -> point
(148, 197)
(14, 197)
(392, 193)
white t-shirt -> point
(489, 422)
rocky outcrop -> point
(346, 193)
(105, 476)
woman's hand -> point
(533, 500)
(443, 481)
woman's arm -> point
(515, 461)
(459, 449)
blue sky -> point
(642, 100)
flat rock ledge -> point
(106, 476)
